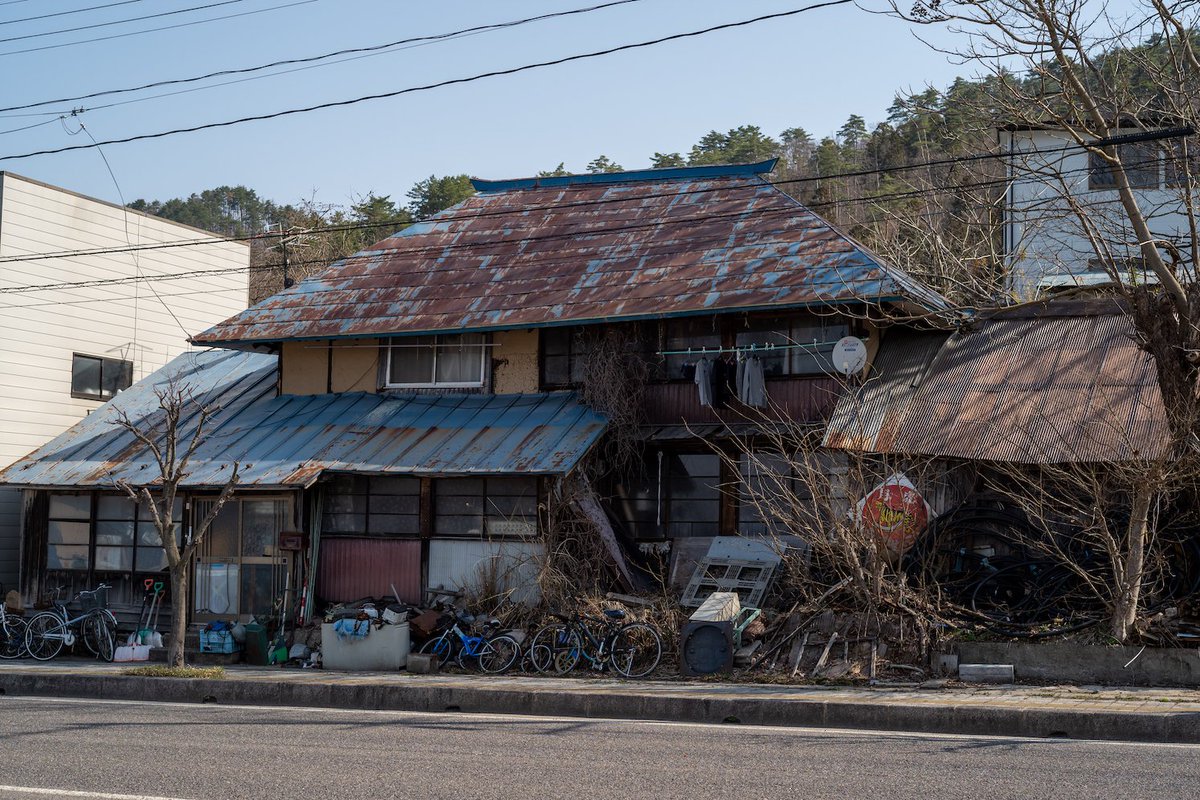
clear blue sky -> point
(813, 71)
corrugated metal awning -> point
(1045, 383)
(292, 440)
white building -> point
(1048, 244)
(96, 326)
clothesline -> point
(744, 348)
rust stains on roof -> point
(1042, 384)
(539, 252)
(291, 440)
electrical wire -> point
(155, 30)
(110, 23)
(438, 84)
(529, 210)
(313, 59)
(72, 11)
(642, 254)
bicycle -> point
(12, 634)
(633, 649)
(47, 632)
(493, 653)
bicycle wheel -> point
(540, 653)
(12, 637)
(499, 654)
(44, 636)
(441, 647)
(636, 650)
(96, 628)
(555, 647)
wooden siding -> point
(800, 399)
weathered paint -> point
(291, 440)
(536, 253)
(351, 568)
(1047, 383)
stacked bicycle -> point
(490, 651)
(12, 634)
(632, 649)
(48, 632)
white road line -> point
(78, 793)
(736, 729)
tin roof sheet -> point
(538, 252)
(291, 440)
(1050, 383)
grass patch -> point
(163, 671)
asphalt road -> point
(114, 750)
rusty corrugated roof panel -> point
(292, 440)
(551, 251)
(1049, 383)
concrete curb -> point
(928, 717)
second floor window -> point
(97, 378)
(1140, 159)
(437, 362)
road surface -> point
(124, 751)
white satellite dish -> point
(849, 355)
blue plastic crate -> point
(217, 642)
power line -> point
(109, 24)
(156, 30)
(72, 11)
(318, 58)
(439, 84)
(369, 255)
(1170, 133)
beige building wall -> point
(355, 366)
(304, 368)
(515, 357)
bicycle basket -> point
(90, 601)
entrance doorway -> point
(240, 570)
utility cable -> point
(110, 23)
(438, 84)
(369, 256)
(313, 59)
(554, 207)
(156, 30)
(72, 11)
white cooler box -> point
(383, 649)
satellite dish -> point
(849, 355)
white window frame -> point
(400, 345)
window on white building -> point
(98, 378)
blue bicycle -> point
(493, 653)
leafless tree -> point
(172, 434)
(1075, 67)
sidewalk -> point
(1134, 714)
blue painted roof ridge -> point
(629, 176)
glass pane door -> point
(240, 571)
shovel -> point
(143, 614)
(156, 639)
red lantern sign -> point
(896, 512)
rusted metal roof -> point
(291, 440)
(1047, 383)
(549, 251)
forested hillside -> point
(934, 221)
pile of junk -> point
(372, 633)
